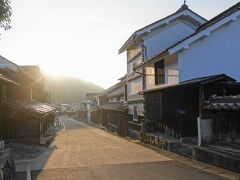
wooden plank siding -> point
(18, 124)
(173, 112)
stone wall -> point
(170, 145)
(7, 165)
(154, 140)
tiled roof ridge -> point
(181, 9)
(217, 18)
(36, 106)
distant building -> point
(90, 103)
(111, 112)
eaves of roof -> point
(5, 79)
(10, 62)
(193, 82)
(35, 108)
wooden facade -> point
(26, 121)
(226, 126)
(23, 111)
(174, 110)
(224, 110)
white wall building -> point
(148, 41)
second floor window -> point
(159, 72)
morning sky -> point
(81, 38)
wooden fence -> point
(114, 120)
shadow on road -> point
(37, 164)
(148, 170)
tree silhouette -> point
(5, 14)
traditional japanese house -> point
(145, 43)
(210, 50)
(27, 120)
(23, 115)
(3, 83)
(30, 79)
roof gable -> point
(5, 63)
(230, 15)
(204, 31)
(184, 11)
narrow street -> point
(85, 152)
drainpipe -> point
(144, 55)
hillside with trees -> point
(65, 89)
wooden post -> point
(1, 112)
(1, 116)
(231, 130)
(201, 99)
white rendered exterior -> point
(147, 43)
(215, 54)
(164, 37)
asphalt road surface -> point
(85, 152)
